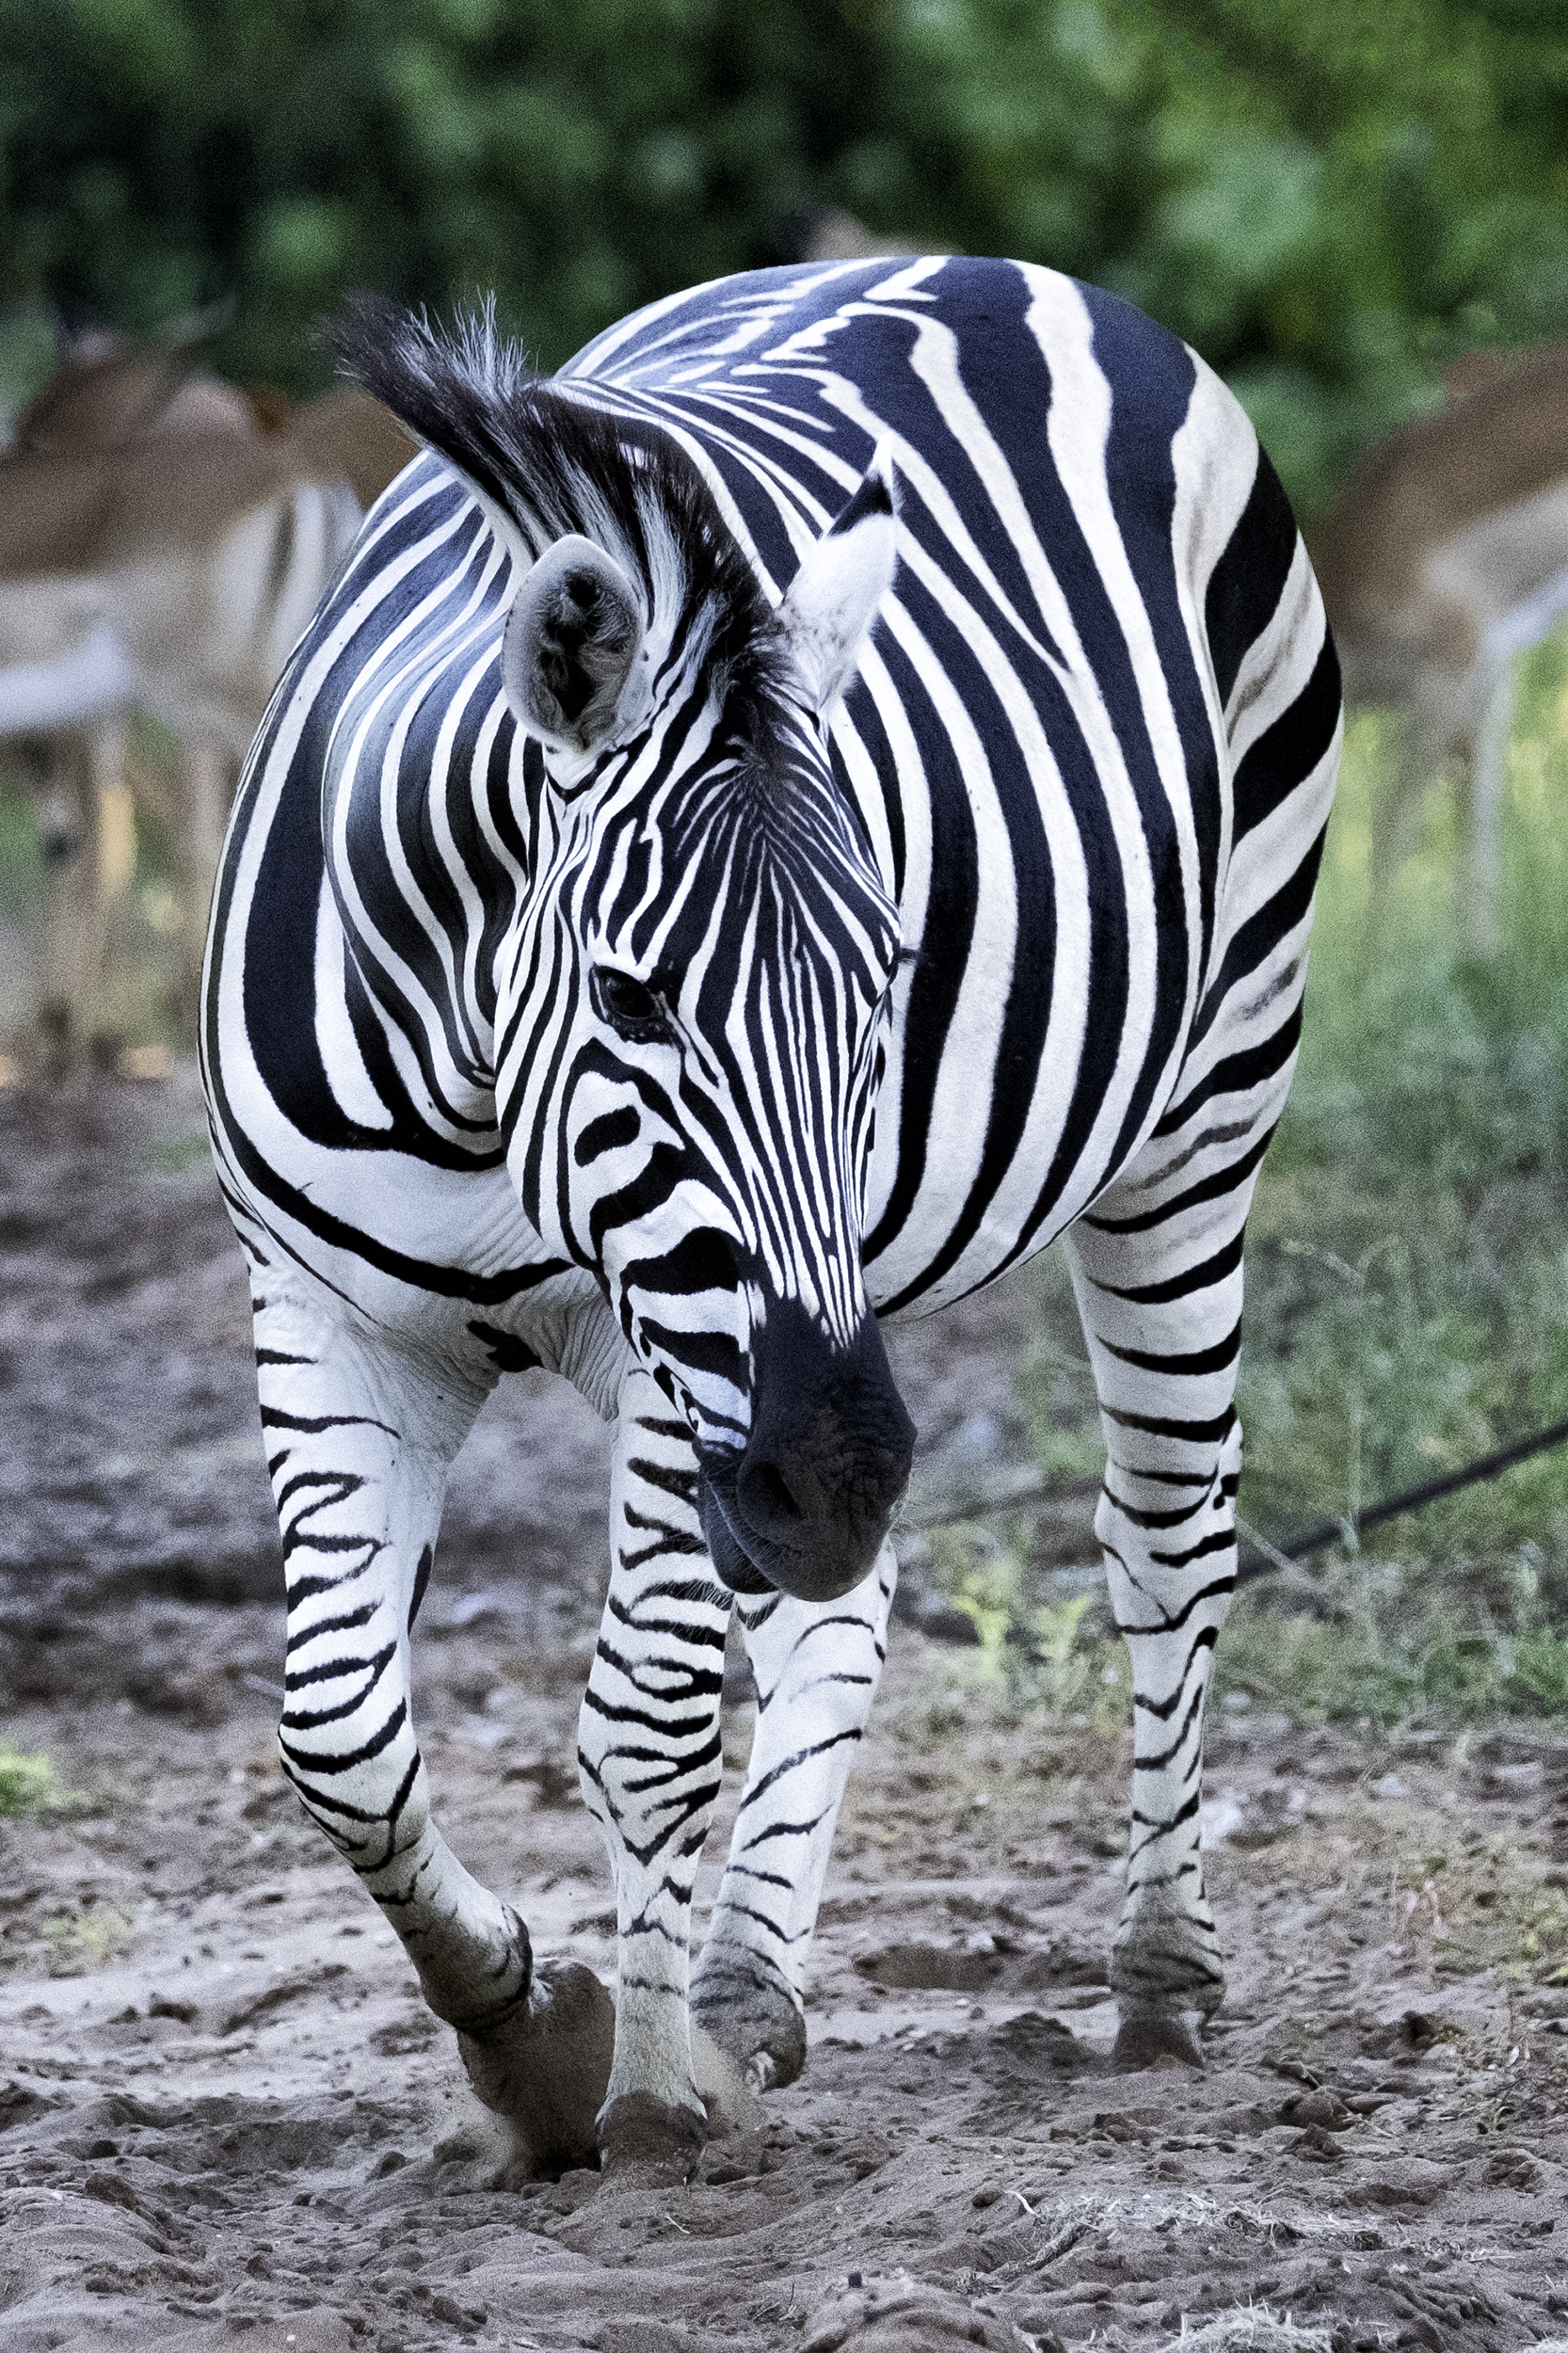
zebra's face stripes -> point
(695, 1031)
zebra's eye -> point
(632, 1010)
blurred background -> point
(1358, 215)
(1332, 200)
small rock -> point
(1221, 1816)
(1401, 2182)
(1324, 2108)
(110, 2190)
(1515, 2169)
(928, 1968)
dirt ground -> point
(226, 2119)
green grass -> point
(1417, 1657)
(1407, 1278)
(1036, 1649)
(1407, 1271)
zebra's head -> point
(692, 997)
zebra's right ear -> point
(832, 600)
(570, 640)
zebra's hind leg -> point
(650, 1757)
(817, 1666)
(360, 1439)
(1157, 1273)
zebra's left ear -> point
(833, 599)
(567, 652)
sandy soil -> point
(226, 2119)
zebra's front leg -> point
(817, 1666)
(650, 1757)
(359, 1440)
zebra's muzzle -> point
(806, 1507)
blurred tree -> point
(1329, 199)
(164, 156)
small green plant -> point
(1539, 1681)
(1034, 1654)
(86, 1938)
(29, 1784)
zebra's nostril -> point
(767, 1497)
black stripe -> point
(1249, 579)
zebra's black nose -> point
(829, 1455)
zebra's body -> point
(479, 1098)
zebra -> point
(774, 825)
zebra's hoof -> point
(546, 2069)
(729, 2096)
(643, 2142)
(1155, 2042)
(757, 2026)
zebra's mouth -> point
(805, 1506)
(733, 1563)
(830, 1561)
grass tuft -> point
(29, 1784)
(1253, 2329)
(1038, 1651)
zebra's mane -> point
(550, 463)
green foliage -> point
(1407, 1304)
(164, 157)
(1329, 201)
(29, 1784)
(1361, 195)
(1407, 1284)
(1038, 1650)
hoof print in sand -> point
(643, 2140)
(930, 1968)
(547, 2069)
(1155, 2042)
(895, 2314)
